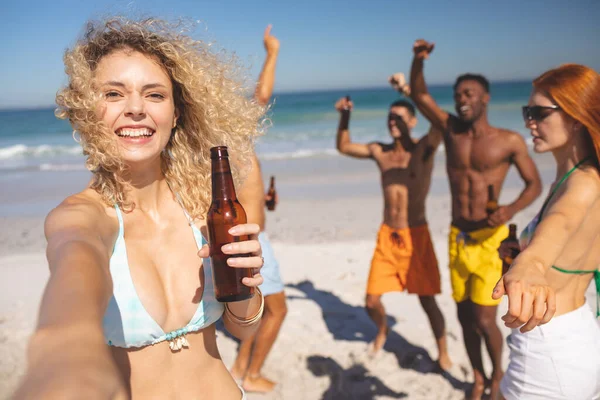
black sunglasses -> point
(538, 113)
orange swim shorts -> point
(404, 259)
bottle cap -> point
(218, 152)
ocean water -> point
(303, 125)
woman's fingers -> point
(528, 319)
(204, 251)
(245, 262)
(256, 280)
(550, 306)
(499, 289)
(524, 313)
(526, 307)
(515, 293)
(529, 308)
(538, 309)
(246, 247)
(245, 229)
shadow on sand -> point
(352, 383)
(351, 323)
(348, 322)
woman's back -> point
(582, 251)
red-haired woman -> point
(560, 254)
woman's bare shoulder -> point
(83, 214)
(586, 180)
(87, 202)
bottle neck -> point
(491, 196)
(272, 183)
(222, 181)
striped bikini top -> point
(127, 323)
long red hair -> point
(576, 90)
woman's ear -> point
(175, 117)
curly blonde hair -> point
(214, 105)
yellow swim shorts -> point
(475, 266)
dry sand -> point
(324, 239)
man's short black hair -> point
(482, 80)
(406, 104)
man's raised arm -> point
(343, 142)
(418, 88)
(266, 79)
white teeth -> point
(465, 109)
(137, 132)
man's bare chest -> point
(480, 154)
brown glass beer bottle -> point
(224, 213)
(514, 251)
(492, 203)
(271, 193)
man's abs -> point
(399, 211)
(469, 189)
(473, 163)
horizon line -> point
(341, 89)
(287, 92)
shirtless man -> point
(404, 257)
(477, 155)
(253, 351)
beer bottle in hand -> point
(347, 108)
(345, 116)
(224, 213)
(271, 193)
(514, 248)
(492, 203)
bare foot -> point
(237, 373)
(258, 384)
(444, 362)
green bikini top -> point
(527, 234)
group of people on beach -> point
(558, 258)
(130, 274)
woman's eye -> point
(157, 96)
(111, 94)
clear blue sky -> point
(324, 44)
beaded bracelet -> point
(246, 321)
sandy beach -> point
(323, 233)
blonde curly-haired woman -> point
(129, 309)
